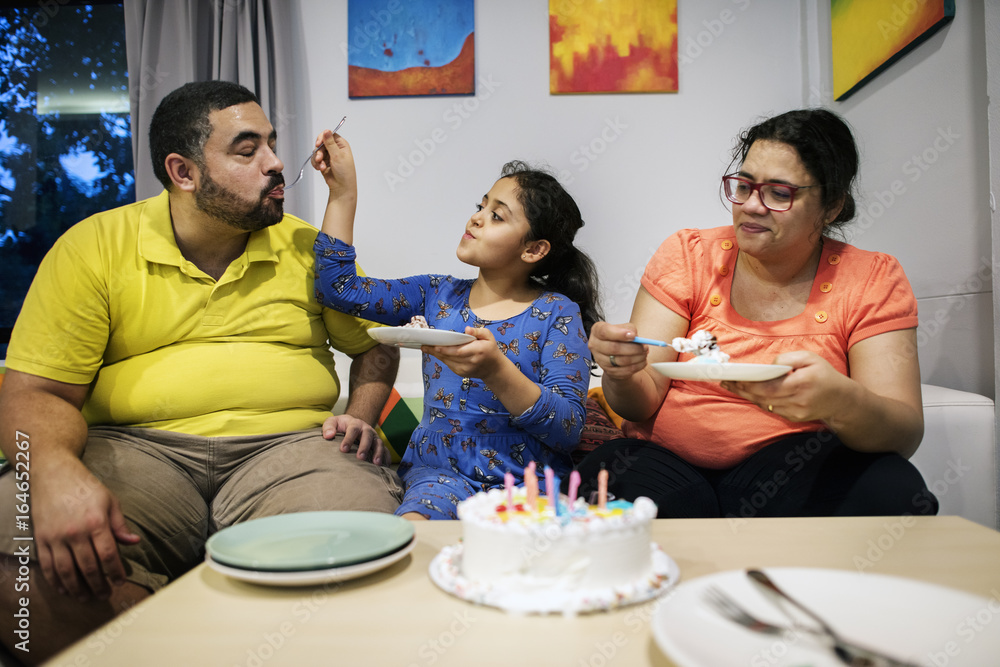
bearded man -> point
(170, 375)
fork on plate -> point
(847, 652)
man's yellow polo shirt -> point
(115, 304)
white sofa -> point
(958, 455)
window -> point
(65, 138)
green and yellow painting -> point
(869, 35)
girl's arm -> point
(339, 286)
(553, 409)
(557, 417)
(336, 163)
(483, 360)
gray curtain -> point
(251, 42)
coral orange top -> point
(856, 294)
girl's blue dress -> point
(466, 439)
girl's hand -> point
(612, 349)
(812, 391)
(478, 358)
(335, 161)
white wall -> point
(644, 166)
(923, 128)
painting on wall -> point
(410, 47)
(868, 37)
(625, 46)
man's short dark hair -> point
(180, 123)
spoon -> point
(650, 341)
(309, 159)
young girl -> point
(516, 393)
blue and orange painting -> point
(410, 47)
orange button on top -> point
(715, 300)
(826, 287)
(727, 244)
(723, 270)
(834, 259)
(821, 316)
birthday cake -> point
(519, 554)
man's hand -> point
(78, 525)
(360, 433)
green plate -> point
(309, 540)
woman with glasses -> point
(829, 437)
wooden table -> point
(399, 617)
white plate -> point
(312, 577)
(910, 620)
(446, 572)
(413, 338)
(683, 370)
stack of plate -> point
(309, 548)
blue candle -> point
(550, 478)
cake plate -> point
(446, 572)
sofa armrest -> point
(958, 455)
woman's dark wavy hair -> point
(554, 216)
(826, 147)
(180, 123)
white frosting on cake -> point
(536, 551)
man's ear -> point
(535, 251)
(183, 172)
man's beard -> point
(226, 206)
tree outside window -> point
(65, 139)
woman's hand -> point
(812, 391)
(613, 351)
(876, 409)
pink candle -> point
(530, 487)
(574, 485)
(508, 484)
(602, 489)
(550, 488)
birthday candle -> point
(574, 485)
(508, 484)
(602, 489)
(530, 486)
(550, 475)
(555, 496)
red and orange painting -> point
(416, 47)
(613, 46)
